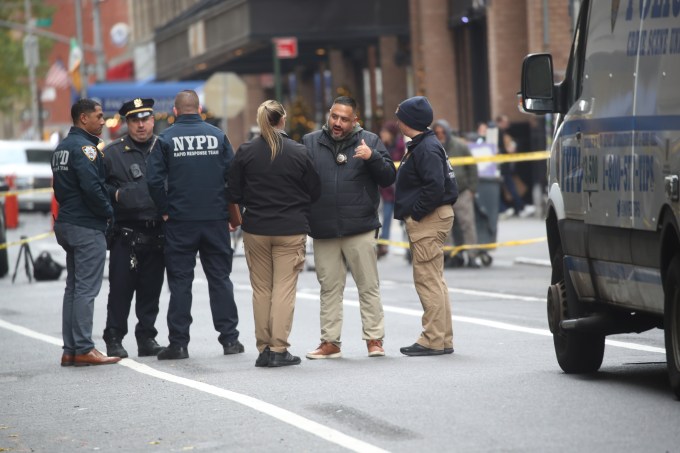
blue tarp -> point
(112, 95)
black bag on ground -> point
(45, 268)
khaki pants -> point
(274, 263)
(332, 257)
(426, 239)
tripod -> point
(25, 250)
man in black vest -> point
(136, 263)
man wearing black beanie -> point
(426, 190)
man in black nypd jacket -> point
(84, 211)
(136, 263)
(426, 190)
(194, 159)
(344, 223)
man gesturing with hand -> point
(344, 223)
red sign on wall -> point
(286, 47)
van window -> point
(39, 156)
(574, 71)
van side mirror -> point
(538, 93)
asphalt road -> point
(501, 390)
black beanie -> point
(416, 113)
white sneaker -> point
(506, 214)
(528, 211)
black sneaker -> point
(235, 347)
(173, 352)
(418, 350)
(148, 347)
(277, 359)
(116, 349)
(263, 358)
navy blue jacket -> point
(425, 179)
(276, 194)
(78, 172)
(125, 165)
(194, 157)
(349, 192)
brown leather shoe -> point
(94, 357)
(325, 350)
(375, 348)
(67, 359)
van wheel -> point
(671, 324)
(576, 352)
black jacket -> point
(276, 194)
(425, 179)
(78, 175)
(125, 164)
(194, 158)
(349, 192)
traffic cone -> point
(11, 205)
(55, 209)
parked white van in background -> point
(614, 171)
(29, 162)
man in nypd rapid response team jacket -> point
(136, 263)
(84, 210)
(194, 157)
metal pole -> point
(79, 36)
(31, 54)
(277, 73)
(98, 43)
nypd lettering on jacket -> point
(195, 145)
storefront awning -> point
(112, 95)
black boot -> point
(114, 344)
(148, 347)
(277, 359)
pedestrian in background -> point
(274, 179)
(344, 223)
(136, 263)
(425, 192)
(394, 142)
(84, 210)
(508, 145)
(193, 160)
(467, 178)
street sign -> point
(31, 55)
(43, 22)
(286, 47)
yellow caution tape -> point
(502, 158)
(26, 240)
(454, 250)
(24, 192)
(515, 157)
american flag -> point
(57, 76)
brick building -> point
(465, 55)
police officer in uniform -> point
(84, 210)
(136, 262)
(194, 159)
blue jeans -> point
(509, 184)
(388, 213)
(85, 257)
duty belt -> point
(139, 238)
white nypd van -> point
(612, 222)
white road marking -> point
(298, 421)
(291, 418)
(490, 323)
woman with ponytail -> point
(273, 178)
